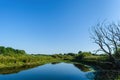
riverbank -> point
(10, 57)
(19, 60)
(7, 61)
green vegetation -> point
(10, 57)
(20, 60)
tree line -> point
(9, 51)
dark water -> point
(60, 71)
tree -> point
(79, 52)
(10, 51)
(20, 51)
(71, 54)
(2, 50)
(107, 37)
(82, 55)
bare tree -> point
(107, 37)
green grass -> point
(20, 60)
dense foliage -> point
(10, 57)
(9, 51)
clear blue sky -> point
(53, 26)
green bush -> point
(82, 55)
(10, 51)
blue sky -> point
(53, 26)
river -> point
(54, 71)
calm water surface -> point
(60, 71)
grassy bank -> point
(21, 60)
(10, 57)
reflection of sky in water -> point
(61, 71)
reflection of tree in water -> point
(82, 67)
(55, 63)
(11, 70)
(104, 75)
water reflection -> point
(104, 75)
(58, 71)
(82, 67)
(100, 74)
(53, 71)
(11, 70)
(55, 63)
